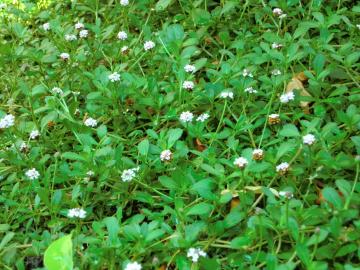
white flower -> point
(282, 167)
(90, 173)
(124, 49)
(241, 162)
(286, 194)
(70, 37)
(122, 35)
(358, 26)
(64, 56)
(34, 134)
(76, 213)
(79, 25)
(250, 90)
(46, 26)
(188, 85)
(2, 6)
(148, 45)
(114, 77)
(203, 117)
(247, 73)
(124, 2)
(83, 33)
(186, 116)
(7, 121)
(190, 68)
(90, 122)
(165, 155)
(133, 266)
(258, 154)
(23, 147)
(32, 174)
(227, 94)
(195, 254)
(285, 98)
(277, 11)
(309, 139)
(57, 91)
(274, 116)
(130, 174)
(276, 45)
(276, 72)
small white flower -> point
(24, 147)
(76, 213)
(46, 26)
(250, 90)
(7, 121)
(286, 194)
(122, 35)
(186, 116)
(287, 97)
(282, 167)
(130, 174)
(90, 122)
(258, 154)
(188, 85)
(203, 117)
(83, 33)
(34, 134)
(247, 73)
(241, 162)
(276, 45)
(79, 25)
(309, 139)
(32, 174)
(114, 77)
(2, 6)
(124, 2)
(165, 155)
(70, 37)
(195, 254)
(277, 11)
(274, 116)
(64, 56)
(133, 266)
(124, 49)
(57, 91)
(190, 68)
(148, 45)
(90, 173)
(227, 94)
(276, 72)
(358, 26)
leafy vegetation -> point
(175, 134)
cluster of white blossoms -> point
(241, 162)
(46, 26)
(76, 213)
(258, 154)
(186, 117)
(90, 122)
(247, 73)
(309, 139)
(70, 37)
(250, 90)
(276, 72)
(83, 33)
(189, 68)
(124, 49)
(65, 56)
(79, 25)
(287, 97)
(57, 91)
(203, 117)
(227, 94)
(24, 147)
(124, 2)
(189, 85)
(286, 194)
(34, 134)
(148, 45)
(282, 167)
(133, 266)
(130, 174)
(32, 174)
(7, 121)
(276, 45)
(122, 35)
(278, 12)
(166, 155)
(114, 77)
(195, 254)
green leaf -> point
(144, 147)
(332, 196)
(200, 209)
(59, 255)
(240, 242)
(303, 253)
(289, 130)
(318, 63)
(173, 136)
(162, 5)
(113, 227)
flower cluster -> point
(76, 213)
(7, 121)
(166, 155)
(129, 174)
(90, 122)
(241, 162)
(195, 253)
(133, 266)
(32, 174)
(114, 77)
(287, 97)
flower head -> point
(274, 119)
(46, 26)
(83, 33)
(34, 134)
(190, 68)
(309, 139)
(148, 45)
(70, 37)
(7, 121)
(79, 25)
(250, 90)
(227, 94)
(247, 73)
(241, 162)
(188, 85)
(24, 148)
(122, 35)
(277, 11)
(76, 213)
(283, 168)
(203, 117)
(124, 2)
(114, 77)
(90, 173)
(65, 56)
(276, 45)
(186, 116)
(258, 154)
(276, 72)
(130, 174)
(57, 91)
(287, 194)
(287, 97)
(133, 266)
(124, 49)
(166, 155)
(32, 174)
(90, 122)
(195, 254)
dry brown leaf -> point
(199, 146)
(163, 267)
(234, 202)
(296, 83)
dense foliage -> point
(180, 134)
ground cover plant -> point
(179, 134)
